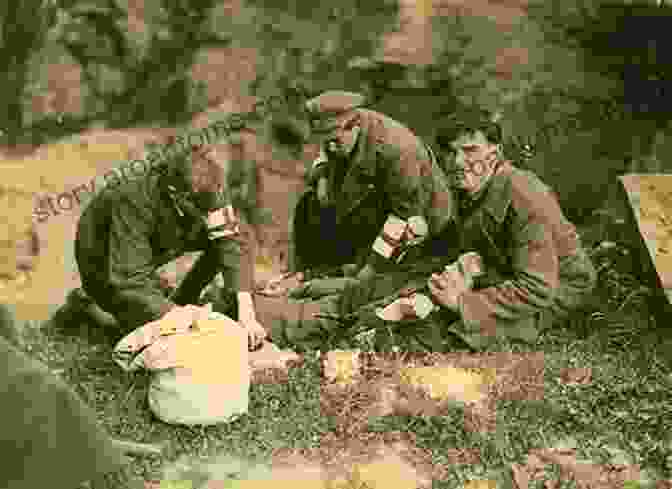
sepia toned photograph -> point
(384, 244)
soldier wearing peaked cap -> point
(371, 168)
(534, 268)
(324, 111)
(376, 195)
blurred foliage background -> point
(585, 83)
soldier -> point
(372, 171)
(130, 230)
(371, 167)
(535, 266)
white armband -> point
(223, 223)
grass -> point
(622, 416)
(278, 413)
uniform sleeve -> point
(529, 289)
(407, 187)
(237, 257)
(130, 262)
(248, 256)
(407, 175)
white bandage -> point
(417, 306)
(396, 232)
(468, 267)
(390, 238)
(418, 226)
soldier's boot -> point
(78, 313)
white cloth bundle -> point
(200, 374)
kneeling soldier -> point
(129, 231)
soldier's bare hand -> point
(255, 332)
(447, 287)
(450, 278)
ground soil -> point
(376, 390)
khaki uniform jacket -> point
(532, 253)
(391, 171)
(535, 268)
(130, 230)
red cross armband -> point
(223, 223)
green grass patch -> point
(622, 416)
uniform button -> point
(371, 186)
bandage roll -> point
(391, 237)
(418, 226)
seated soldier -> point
(127, 232)
(533, 259)
(370, 167)
(513, 220)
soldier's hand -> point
(447, 287)
(255, 332)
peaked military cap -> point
(324, 109)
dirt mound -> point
(380, 387)
(587, 475)
(390, 460)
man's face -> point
(207, 177)
(472, 157)
(339, 141)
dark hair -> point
(454, 125)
